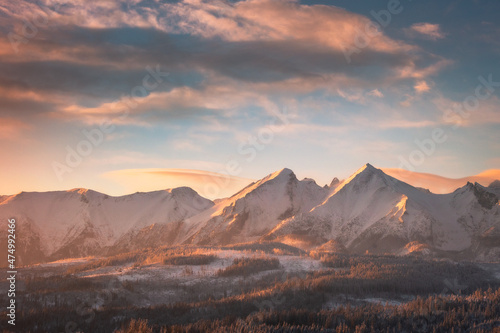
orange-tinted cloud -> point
(279, 20)
(455, 113)
(251, 49)
(428, 30)
(421, 87)
(211, 185)
(12, 129)
(439, 184)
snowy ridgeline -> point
(368, 212)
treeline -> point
(294, 295)
(478, 313)
(116, 260)
(247, 266)
(104, 303)
(266, 247)
(195, 259)
(138, 258)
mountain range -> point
(369, 212)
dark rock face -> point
(486, 199)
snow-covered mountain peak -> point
(257, 209)
(470, 187)
(363, 176)
(365, 171)
(485, 197)
(182, 191)
(370, 210)
(365, 168)
(495, 184)
(284, 174)
(81, 222)
(368, 166)
(278, 178)
(309, 180)
(334, 183)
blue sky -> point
(243, 88)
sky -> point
(125, 96)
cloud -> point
(118, 159)
(439, 184)
(351, 96)
(421, 72)
(428, 30)
(211, 185)
(455, 113)
(94, 53)
(421, 87)
(176, 104)
(12, 129)
(242, 21)
(376, 93)
(404, 123)
(94, 14)
(276, 20)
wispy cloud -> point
(439, 184)
(221, 56)
(376, 93)
(276, 20)
(454, 113)
(232, 65)
(12, 129)
(212, 185)
(428, 30)
(421, 87)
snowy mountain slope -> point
(494, 188)
(80, 222)
(256, 210)
(357, 204)
(371, 211)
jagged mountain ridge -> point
(256, 209)
(80, 222)
(369, 211)
(374, 212)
